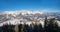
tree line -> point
(51, 26)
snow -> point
(14, 20)
(22, 12)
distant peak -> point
(23, 12)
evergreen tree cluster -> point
(51, 27)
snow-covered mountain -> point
(17, 17)
(23, 17)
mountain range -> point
(21, 17)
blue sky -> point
(41, 5)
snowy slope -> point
(22, 17)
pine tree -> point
(45, 24)
(16, 28)
(53, 26)
(22, 29)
